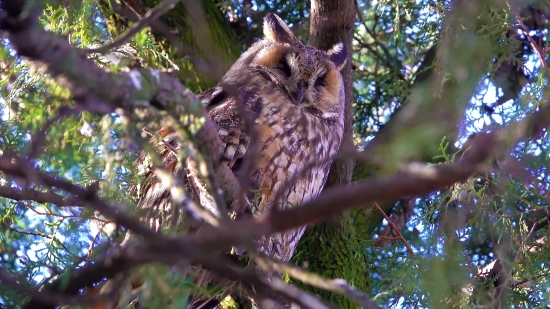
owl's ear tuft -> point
(339, 55)
(275, 29)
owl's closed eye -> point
(292, 97)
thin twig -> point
(117, 262)
(39, 137)
(261, 286)
(211, 68)
(340, 286)
(19, 167)
(390, 222)
(534, 44)
(359, 12)
(146, 21)
(43, 235)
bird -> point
(280, 117)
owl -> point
(280, 114)
(280, 110)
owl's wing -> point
(235, 114)
(227, 113)
(153, 195)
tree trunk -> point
(202, 28)
(332, 22)
(330, 248)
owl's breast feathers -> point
(287, 144)
(279, 110)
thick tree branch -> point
(19, 167)
(340, 286)
(37, 196)
(101, 92)
(45, 297)
(118, 262)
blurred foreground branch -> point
(97, 91)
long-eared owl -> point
(279, 110)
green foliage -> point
(42, 240)
(205, 31)
(391, 41)
(453, 233)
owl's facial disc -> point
(297, 77)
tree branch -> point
(101, 92)
(18, 167)
(148, 19)
(45, 297)
(37, 196)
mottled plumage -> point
(292, 98)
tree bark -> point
(329, 248)
(202, 28)
(332, 22)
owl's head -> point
(307, 77)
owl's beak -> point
(299, 94)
